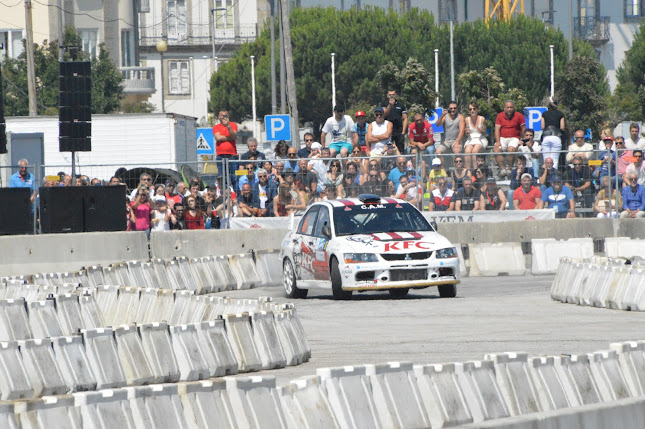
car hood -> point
(401, 242)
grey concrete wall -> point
(30, 254)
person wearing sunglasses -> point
(146, 180)
(454, 127)
(637, 167)
(339, 126)
(420, 135)
(633, 197)
(397, 114)
(578, 179)
(292, 160)
(360, 131)
(305, 152)
(379, 133)
(475, 129)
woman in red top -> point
(193, 217)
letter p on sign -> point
(534, 117)
(278, 127)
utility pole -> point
(291, 79)
(283, 88)
(452, 65)
(570, 30)
(60, 30)
(274, 101)
(31, 68)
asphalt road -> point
(489, 315)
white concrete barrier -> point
(164, 305)
(577, 379)
(624, 247)
(223, 269)
(217, 348)
(150, 275)
(133, 359)
(108, 408)
(301, 336)
(147, 301)
(91, 314)
(126, 307)
(601, 288)
(7, 416)
(243, 268)
(255, 402)
(608, 375)
(618, 287)
(103, 357)
(157, 346)
(14, 323)
(42, 368)
(189, 354)
(240, 336)
(269, 267)
(110, 276)
(291, 344)
(14, 381)
(515, 382)
(479, 384)
(208, 265)
(203, 275)
(43, 319)
(41, 413)
(442, 395)
(192, 282)
(73, 363)
(194, 310)
(123, 274)
(157, 406)
(631, 356)
(546, 252)
(305, 405)
(135, 268)
(162, 274)
(206, 404)
(180, 305)
(548, 385)
(95, 276)
(494, 259)
(267, 340)
(176, 277)
(634, 296)
(69, 314)
(106, 299)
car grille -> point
(406, 256)
(400, 275)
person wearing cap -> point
(379, 133)
(420, 135)
(492, 197)
(305, 152)
(553, 130)
(252, 143)
(161, 216)
(435, 173)
(580, 148)
(559, 198)
(635, 141)
(340, 127)
(396, 113)
(360, 131)
(527, 196)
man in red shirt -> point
(225, 134)
(509, 129)
(420, 134)
(527, 196)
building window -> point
(178, 77)
(223, 13)
(126, 48)
(447, 10)
(177, 25)
(144, 6)
(89, 38)
(10, 44)
(633, 9)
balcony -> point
(200, 35)
(138, 80)
(593, 29)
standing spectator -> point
(560, 199)
(129, 216)
(468, 198)
(225, 133)
(635, 141)
(475, 129)
(442, 197)
(67, 180)
(161, 216)
(638, 167)
(546, 174)
(605, 206)
(509, 129)
(531, 150)
(340, 127)
(194, 217)
(178, 223)
(305, 152)
(527, 196)
(408, 189)
(492, 197)
(580, 148)
(553, 130)
(578, 179)
(454, 127)
(199, 201)
(396, 113)
(420, 135)
(398, 171)
(23, 178)
(252, 143)
(292, 163)
(459, 173)
(172, 197)
(114, 181)
(306, 180)
(144, 179)
(379, 133)
(182, 189)
(280, 150)
(160, 190)
(633, 198)
(96, 182)
(360, 131)
(345, 188)
(142, 208)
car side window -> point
(323, 219)
(308, 222)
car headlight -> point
(355, 258)
(448, 252)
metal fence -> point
(280, 187)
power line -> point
(84, 14)
(11, 5)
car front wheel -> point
(447, 291)
(336, 283)
(289, 281)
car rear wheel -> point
(399, 292)
(448, 291)
(336, 283)
(289, 281)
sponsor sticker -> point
(405, 245)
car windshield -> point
(376, 218)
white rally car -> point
(366, 243)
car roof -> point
(345, 202)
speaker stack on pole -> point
(3, 125)
(74, 107)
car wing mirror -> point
(433, 224)
(326, 231)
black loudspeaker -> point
(15, 211)
(61, 210)
(104, 208)
(75, 106)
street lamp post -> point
(255, 134)
(162, 46)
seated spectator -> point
(608, 159)
(331, 191)
(416, 162)
(264, 192)
(349, 182)
(375, 184)
(199, 200)
(558, 197)
(635, 141)
(435, 174)
(408, 189)
(248, 205)
(95, 182)
(161, 216)
(468, 197)
(141, 208)
(400, 169)
(249, 178)
(281, 150)
(359, 131)
(67, 180)
(527, 196)
(253, 152)
(306, 180)
(637, 167)
(516, 176)
(172, 197)
(605, 206)
(580, 148)
(292, 161)
(531, 150)
(443, 198)
(421, 135)
(389, 158)
(334, 174)
(492, 197)
(481, 174)
(305, 152)
(278, 173)
(546, 174)
(194, 217)
(288, 200)
(578, 179)
(178, 223)
(458, 173)
(633, 198)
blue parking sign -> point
(278, 127)
(533, 117)
(433, 118)
(205, 141)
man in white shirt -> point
(580, 148)
(320, 166)
(340, 127)
(635, 141)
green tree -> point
(630, 91)
(414, 84)
(107, 83)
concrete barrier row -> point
(601, 282)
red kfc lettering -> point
(422, 245)
(407, 244)
(391, 246)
